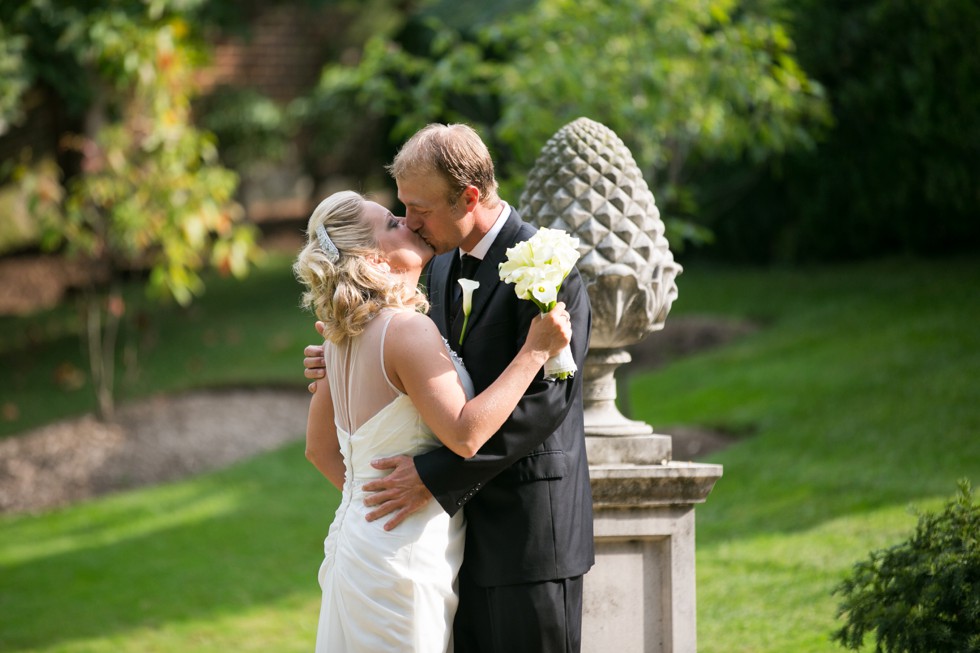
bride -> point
(393, 387)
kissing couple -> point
(412, 409)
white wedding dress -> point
(383, 590)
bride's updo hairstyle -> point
(346, 287)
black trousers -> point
(544, 617)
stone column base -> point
(641, 594)
(648, 449)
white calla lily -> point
(537, 267)
(469, 286)
(544, 293)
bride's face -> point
(402, 247)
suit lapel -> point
(488, 275)
(439, 299)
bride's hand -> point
(552, 331)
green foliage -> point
(249, 126)
(45, 37)
(678, 81)
(150, 192)
(14, 77)
(922, 595)
(898, 171)
(396, 90)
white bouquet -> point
(537, 267)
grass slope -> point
(862, 397)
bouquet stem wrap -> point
(560, 367)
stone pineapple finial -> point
(586, 182)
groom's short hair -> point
(455, 152)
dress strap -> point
(384, 333)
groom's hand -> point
(401, 492)
(314, 367)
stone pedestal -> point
(641, 594)
(602, 417)
(609, 436)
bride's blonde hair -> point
(346, 291)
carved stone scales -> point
(586, 182)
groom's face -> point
(429, 213)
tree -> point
(149, 193)
(678, 81)
(897, 172)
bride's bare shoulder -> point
(414, 329)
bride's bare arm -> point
(418, 363)
(322, 447)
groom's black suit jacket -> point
(526, 492)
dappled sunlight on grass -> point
(160, 560)
(287, 625)
(117, 518)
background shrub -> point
(922, 595)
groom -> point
(526, 493)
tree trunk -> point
(102, 330)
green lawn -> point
(223, 562)
(857, 398)
(862, 397)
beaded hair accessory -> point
(326, 244)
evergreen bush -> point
(923, 595)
